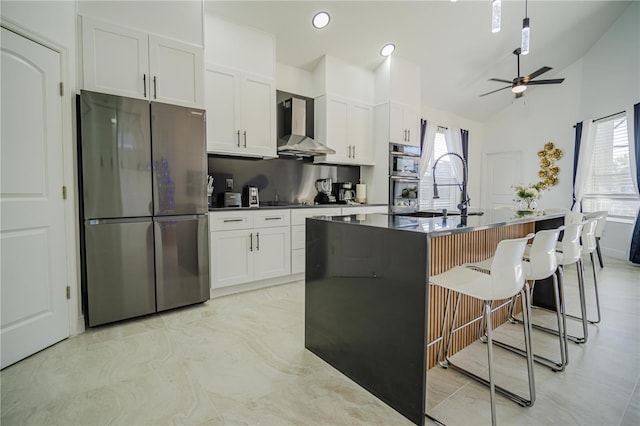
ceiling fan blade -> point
(537, 73)
(494, 91)
(553, 81)
(501, 80)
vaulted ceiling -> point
(451, 41)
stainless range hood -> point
(296, 142)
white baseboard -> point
(254, 285)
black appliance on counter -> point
(325, 191)
(250, 196)
(344, 192)
(143, 208)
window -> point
(610, 183)
(449, 195)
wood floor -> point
(240, 360)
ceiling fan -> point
(519, 84)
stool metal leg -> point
(492, 386)
(599, 252)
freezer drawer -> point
(119, 270)
(182, 260)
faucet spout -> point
(464, 199)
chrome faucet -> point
(464, 200)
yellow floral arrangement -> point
(548, 172)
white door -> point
(337, 130)
(397, 131)
(272, 252)
(32, 232)
(177, 72)
(115, 59)
(223, 110)
(501, 170)
(258, 107)
(360, 128)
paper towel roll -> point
(361, 193)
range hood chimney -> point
(295, 141)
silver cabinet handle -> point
(155, 89)
(251, 241)
(273, 218)
(233, 220)
(408, 135)
(354, 151)
(238, 138)
(258, 242)
(245, 138)
(144, 82)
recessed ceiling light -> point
(321, 20)
(387, 49)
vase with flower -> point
(527, 196)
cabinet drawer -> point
(271, 218)
(298, 216)
(227, 221)
(297, 236)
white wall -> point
(53, 23)
(603, 82)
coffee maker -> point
(250, 196)
(324, 188)
(344, 192)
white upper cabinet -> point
(344, 114)
(241, 110)
(126, 62)
(240, 89)
(397, 91)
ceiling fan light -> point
(387, 49)
(519, 88)
(321, 20)
(496, 15)
(524, 46)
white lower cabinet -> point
(298, 218)
(249, 246)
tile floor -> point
(240, 360)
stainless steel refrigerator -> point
(143, 180)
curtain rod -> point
(443, 127)
(608, 116)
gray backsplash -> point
(278, 179)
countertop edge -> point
(293, 206)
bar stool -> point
(539, 263)
(505, 280)
(588, 246)
(602, 220)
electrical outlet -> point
(229, 184)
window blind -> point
(449, 195)
(610, 184)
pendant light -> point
(496, 15)
(524, 45)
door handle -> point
(354, 151)
(408, 135)
(258, 241)
(155, 88)
(144, 83)
(238, 138)
(251, 241)
(245, 138)
(233, 220)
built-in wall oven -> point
(404, 178)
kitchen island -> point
(369, 310)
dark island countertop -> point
(290, 205)
(439, 226)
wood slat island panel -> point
(452, 250)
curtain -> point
(633, 126)
(584, 156)
(453, 139)
(576, 151)
(427, 140)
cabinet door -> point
(115, 59)
(360, 132)
(232, 257)
(177, 72)
(257, 106)
(397, 131)
(333, 119)
(412, 124)
(223, 110)
(272, 252)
